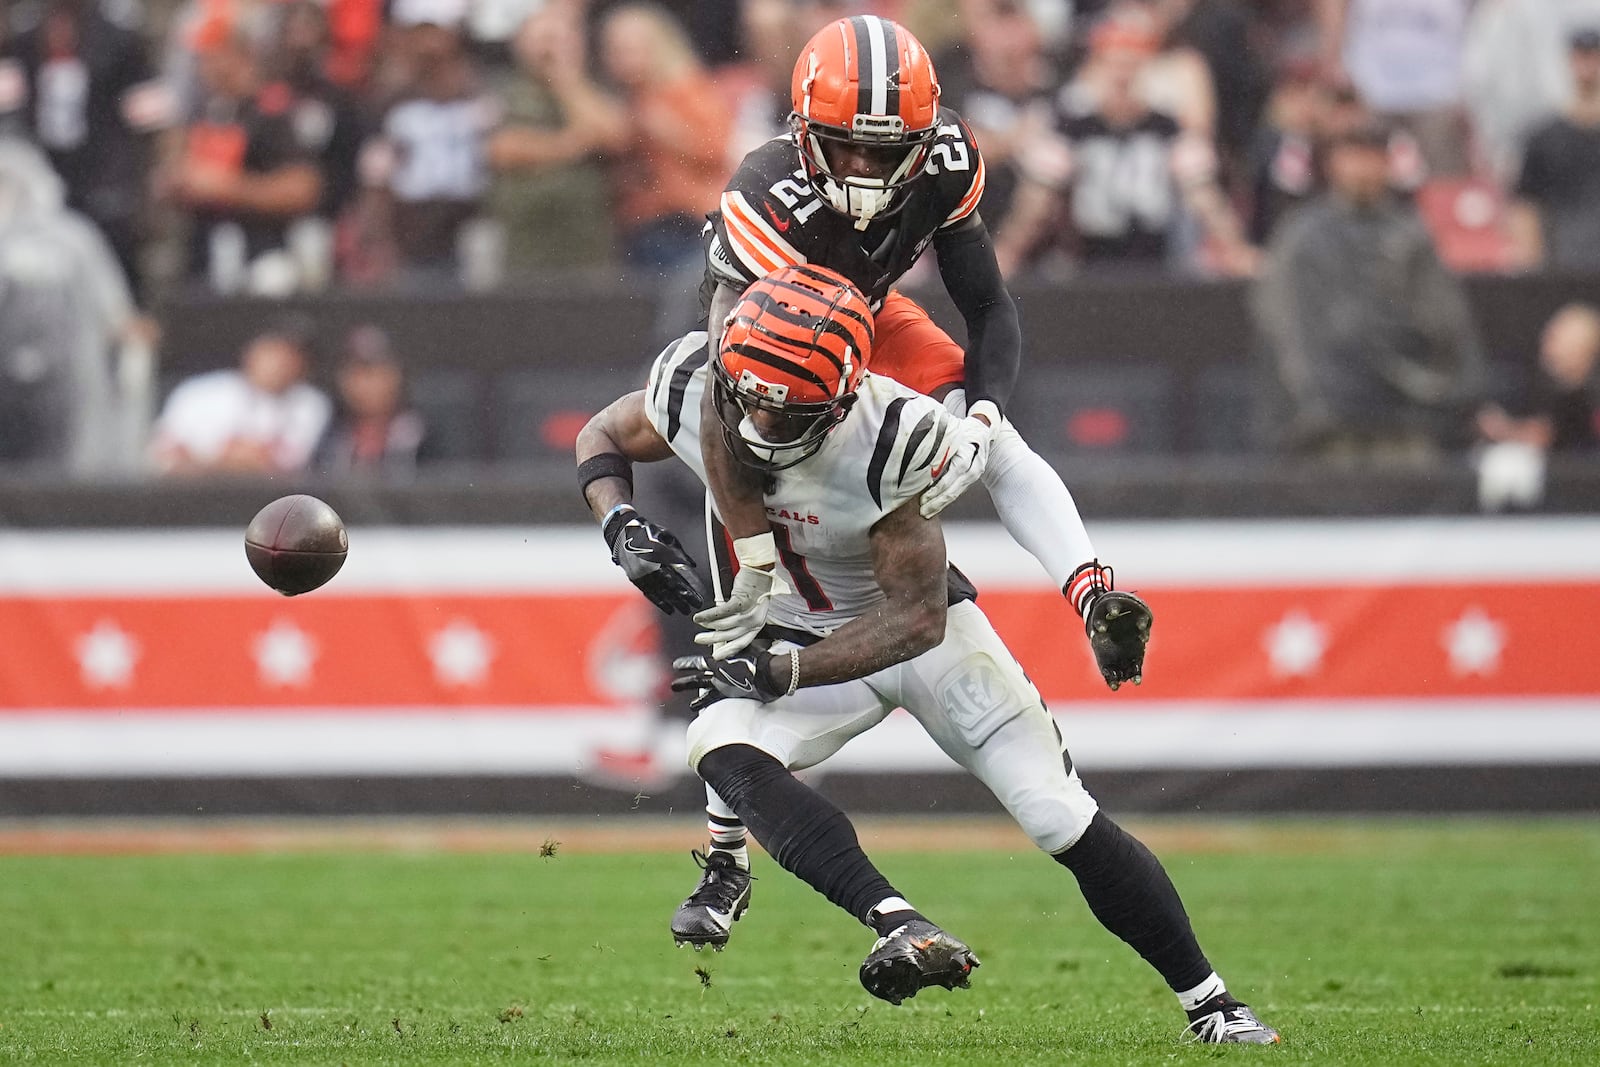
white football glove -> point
(734, 623)
(965, 456)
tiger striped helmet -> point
(792, 354)
(867, 85)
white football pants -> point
(968, 693)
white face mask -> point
(863, 199)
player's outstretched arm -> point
(653, 559)
(737, 490)
(994, 352)
(908, 561)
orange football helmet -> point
(864, 84)
(792, 354)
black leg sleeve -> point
(807, 835)
(1129, 892)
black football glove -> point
(744, 675)
(1118, 625)
(654, 560)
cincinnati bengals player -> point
(873, 624)
(873, 172)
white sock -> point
(727, 832)
(889, 905)
(1035, 506)
(1193, 998)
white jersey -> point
(822, 509)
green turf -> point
(1436, 943)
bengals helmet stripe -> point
(820, 276)
(777, 362)
(788, 364)
(806, 334)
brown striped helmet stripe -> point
(864, 71)
(891, 77)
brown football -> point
(296, 543)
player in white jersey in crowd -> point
(878, 621)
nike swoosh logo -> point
(721, 919)
(781, 224)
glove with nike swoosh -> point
(745, 675)
(654, 561)
(966, 455)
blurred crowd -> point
(1350, 157)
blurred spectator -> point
(773, 32)
(1218, 32)
(327, 123)
(374, 431)
(1371, 342)
(1175, 79)
(1516, 70)
(1287, 166)
(549, 192)
(1405, 59)
(1135, 181)
(1555, 220)
(1283, 170)
(666, 137)
(1001, 80)
(261, 418)
(1557, 410)
(426, 172)
(240, 172)
(64, 303)
(84, 90)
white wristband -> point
(760, 551)
(794, 671)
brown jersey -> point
(770, 216)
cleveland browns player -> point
(876, 621)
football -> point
(296, 544)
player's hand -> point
(965, 456)
(731, 625)
(1118, 625)
(654, 561)
(744, 675)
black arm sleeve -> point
(994, 337)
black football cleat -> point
(1119, 627)
(716, 903)
(1225, 1021)
(915, 956)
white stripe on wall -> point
(574, 559)
(559, 742)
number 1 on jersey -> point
(795, 564)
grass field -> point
(1366, 943)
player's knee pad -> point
(1054, 814)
